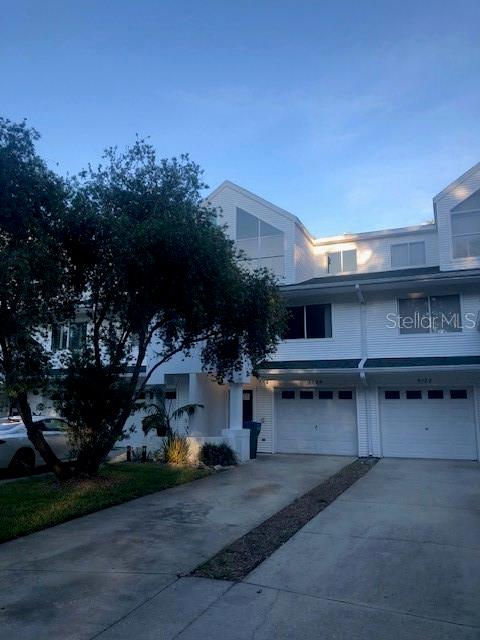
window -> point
(288, 395)
(306, 395)
(465, 221)
(170, 395)
(72, 336)
(435, 394)
(261, 243)
(392, 395)
(311, 321)
(345, 395)
(407, 254)
(325, 395)
(436, 314)
(458, 394)
(296, 323)
(342, 261)
(414, 394)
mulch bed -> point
(242, 556)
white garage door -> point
(316, 421)
(428, 423)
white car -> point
(17, 452)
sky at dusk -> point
(350, 114)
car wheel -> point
(23, 461)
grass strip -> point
(37, 503)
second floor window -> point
(262, 243)
(310, 321)
(71, 336)
(408, 254)
(434, 314)
(465, 221)
(342, 261)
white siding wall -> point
(210, 420)
(228, 198)
(375, 436)
(304, 256)
(383, 341)
(345, 343)
(449, 199)
(263, 412)
(362, 421)
(374, 254)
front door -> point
(248, 405)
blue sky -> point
(350, 114)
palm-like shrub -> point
(176, 449)
(160, 416)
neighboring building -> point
(382, 355)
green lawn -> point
(36, 503)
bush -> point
(213, 454)
(176, 449)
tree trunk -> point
(59, 468)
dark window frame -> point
(430, 315)
(345, 394)
(288, 394)
(303, 325)
(306, 394)
(325, 395)
(458, 394)
(413, 394)
(435, 394)
(391, 394)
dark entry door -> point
(248, 405)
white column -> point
(235, 406)
(237, 437)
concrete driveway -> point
(111, 572)
(397, 556)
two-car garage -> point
(408, 422)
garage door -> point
(428, 423)
(316, 421)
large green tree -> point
(161, 276)
(35, 285)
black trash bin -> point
(254, 428)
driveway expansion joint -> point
(238, 559)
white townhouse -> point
(382, 354)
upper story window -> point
(408, 254)
(72, 336)
(342, 261)
(262, 243)
(434, 314)
(465, 220)
(310, 321)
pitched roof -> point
(370, 275)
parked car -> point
(17, 452)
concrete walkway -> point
(397, 556)
(115, 573)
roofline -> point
(426, 277)
(249, 194)
(448, 189)
(381, 233)
(346, 237)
